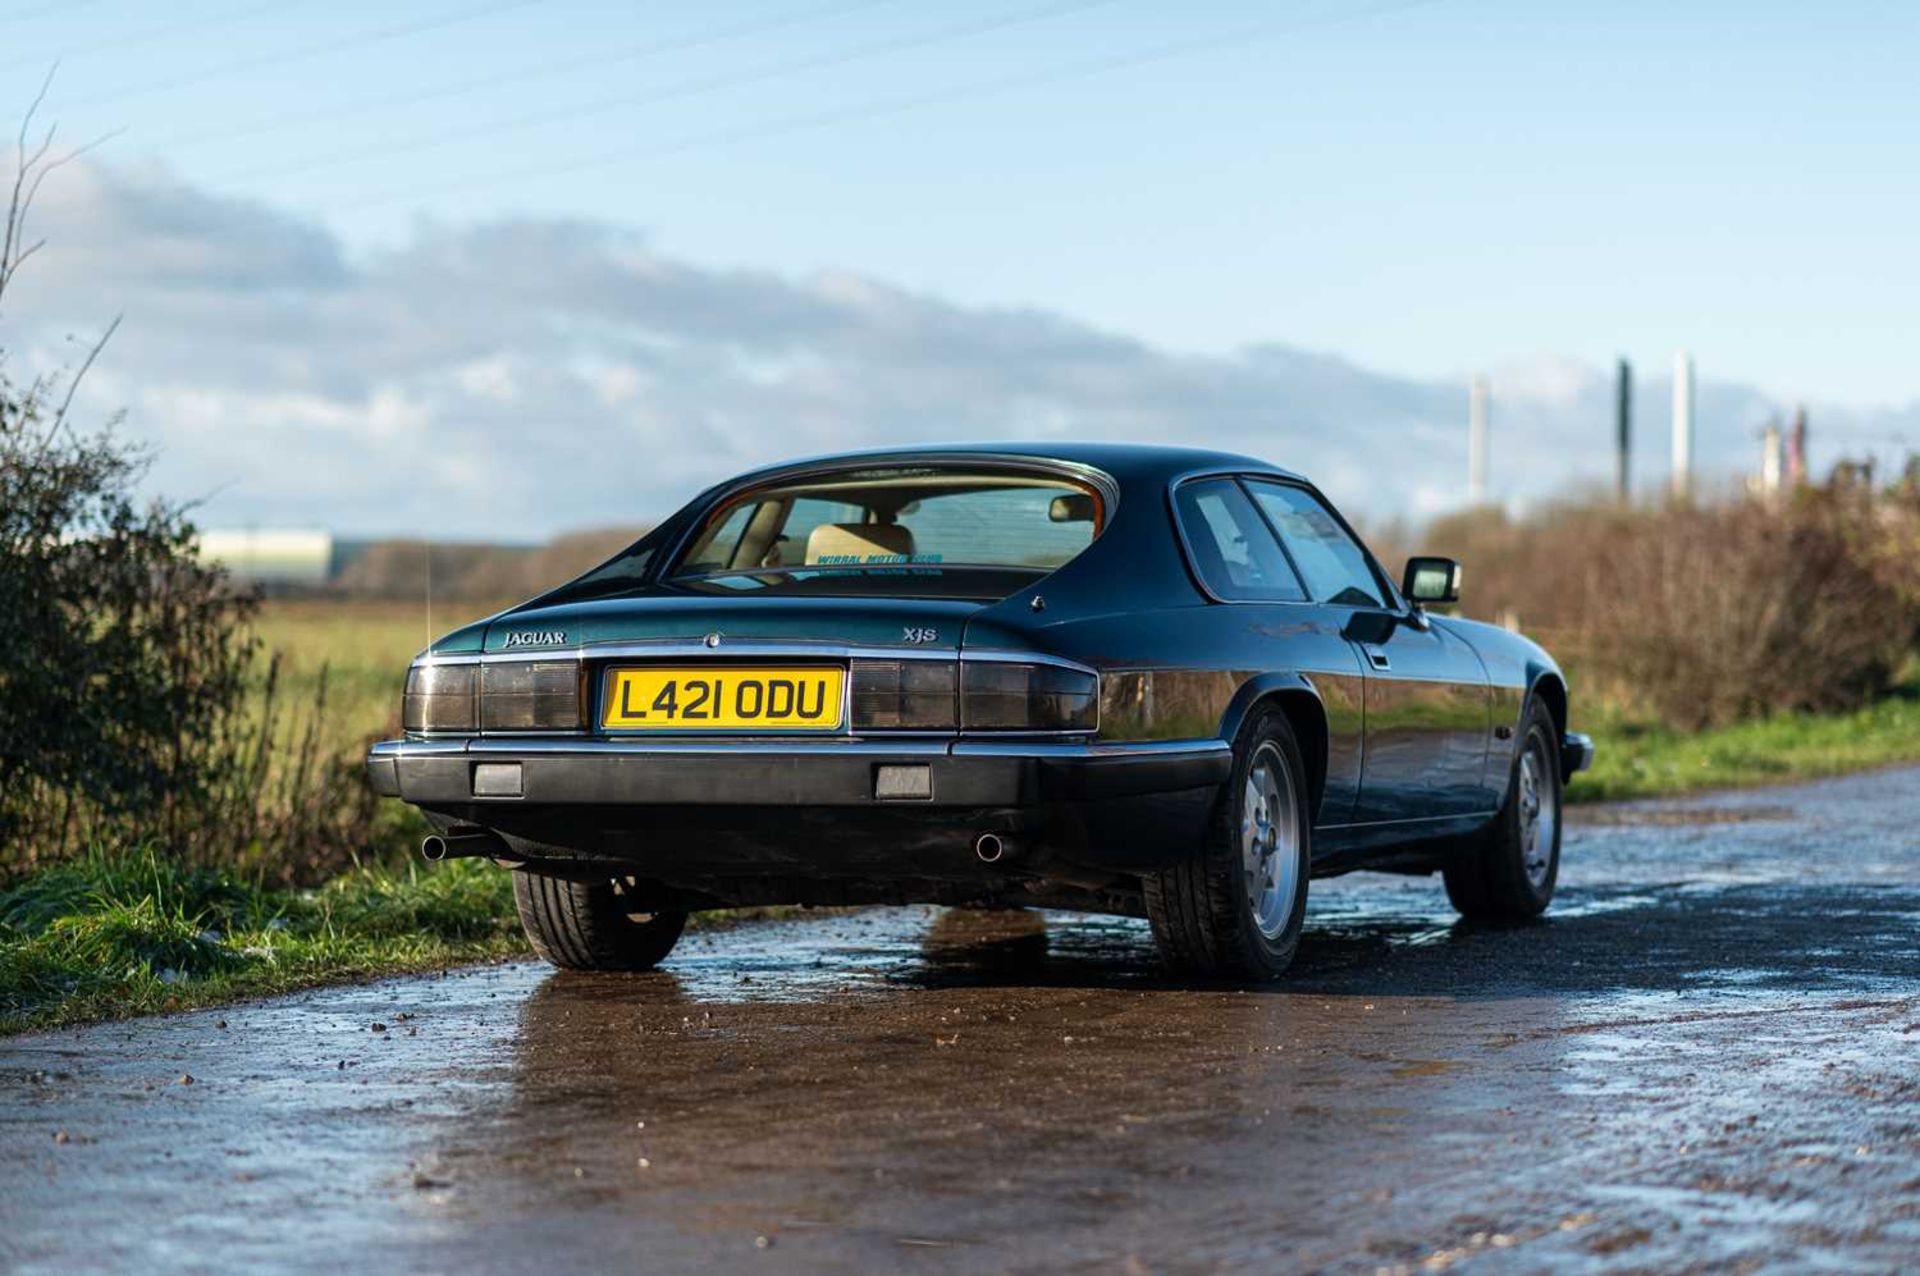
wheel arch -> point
(1550, 689)
(1296, 697)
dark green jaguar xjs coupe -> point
(1143, 680)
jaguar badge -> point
(536, 638)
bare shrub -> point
(132, 705)
(1708, 614)
(122, 653)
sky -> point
(365, 230)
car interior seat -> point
(858, 543)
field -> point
(361, 648)
(364, 648)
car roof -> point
(1126, 462)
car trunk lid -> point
(934, 624)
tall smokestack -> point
(1682, 424)
(1478, 394)
(1623, 437)
(1772, 459)
(1797, 448)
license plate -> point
(723, 699)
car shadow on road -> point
(1759, 936)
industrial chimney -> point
(1623, 434)
(1772, 459)
(1797, 449)
(1682, 424)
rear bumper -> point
(1576, 753)
(840, 773)
(709, 816)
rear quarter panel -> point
(1515, 667)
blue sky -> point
(1428, 187)
(366, 252)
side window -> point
(1334, 565)
(1233, 549)
(716, 549)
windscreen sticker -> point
(877, 560)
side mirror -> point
(1431, 580)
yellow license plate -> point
(723, 699)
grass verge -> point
(117, 935)
(1636, 760)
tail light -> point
(441, 698)
(512, 695)
(530, 695)
(906, 695)
(1000, 695)
(887, 695)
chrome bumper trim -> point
(1576, 753)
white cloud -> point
(521, 378)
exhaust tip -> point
(991, 848)
(466, 843)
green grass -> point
(1636, 760)
(116, 935)
(364, 648)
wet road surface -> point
(1708, 1056)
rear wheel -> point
(1507, 873)
(1235, 909)
(600, 925)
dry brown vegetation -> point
(135, 707)
(1705, 615)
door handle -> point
(1378, 659)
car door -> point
(1428, 707)
(1269, 625)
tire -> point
(593, 925)
(1507, 872)
(1211, 916)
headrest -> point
(858, 543)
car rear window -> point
(927, 530)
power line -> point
(302, 53)
(887, 106)
(146, 34)
(687, 88)
(631, 53)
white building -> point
(271, 556)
